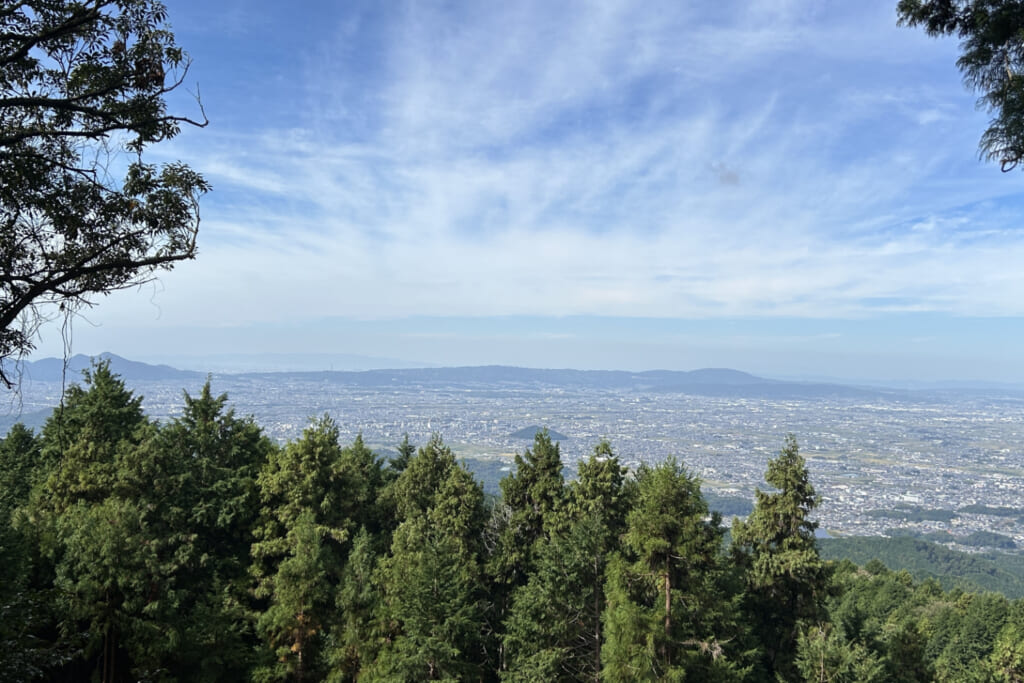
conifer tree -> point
(357, 636)
(825, 656)
(553, 630)
(1005, 664)
(24, 599)
(406, 451)
(81, 440)
(668, 613)
(206, 491)
(530, 510)
(602, 490)
(300, 549)
(413, 492)
(114, 569)
(787, 581)
(19, 468)
(432, 579)
(363, 478)
(534, 491)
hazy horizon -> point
(235, 363)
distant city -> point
(885, 461)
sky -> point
(791, 188)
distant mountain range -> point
(57, 370)
(717, 382)
(287, 362)
(706, 382)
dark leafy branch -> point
(82, 91)
(991, 36)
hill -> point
(532, 431)
(56, 370)
(716, 382)
(1002, 573)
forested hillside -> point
(972, 572)
(199, 550)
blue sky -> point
(790, 188)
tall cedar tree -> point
(118, 562)
(25, 596)
(359, 632)
(668, 614)
(530, 509)
(553, 631)
(209, 497)
(19, 470)
(406, 452)
(299, 552)
(787, 581)
(432, 578)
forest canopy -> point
(199, 550)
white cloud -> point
(613, 159)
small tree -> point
(82, 94)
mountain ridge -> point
(717, 382)
(713, 382)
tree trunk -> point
(668, 614)
(597, 618)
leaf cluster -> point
(83, 89)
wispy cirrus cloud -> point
(617, 159)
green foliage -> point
(987, 539)
(825, 657)
(356, 639)
(669, 614)
(924, 560)
(787, 581)
(601, 490)
(97, 520)
(535, 490)
(996, 511)
(82, 91)
(299, 598)
(84, 441)
(970, 639)
(206, 493)
(532, 498)
(199, 551)
(19, 468)
(915, 514)
(406, 451)
(553, 630)
(432, 583)
(300, 547)
(991, 61)
(25, 609)
(414, 491)
(1006, 662)
(529, 512)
